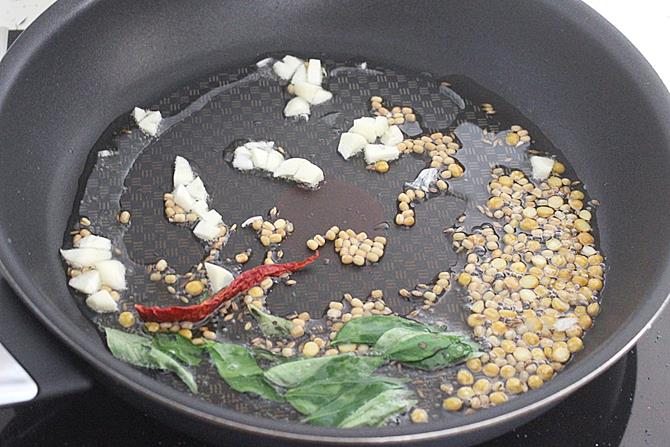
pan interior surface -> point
(132, 172)
(600, 103)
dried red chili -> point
(242, 283)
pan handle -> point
(33, 364)
(16, 385)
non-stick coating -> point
(84, 63)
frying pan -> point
(84, 63)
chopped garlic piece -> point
(259, 157)
(282, 70)
(286, 67)
(314, 73)
(182, 198)
(308, 92)
(377, 152)
(212, 217)
(112, 273)
(296, 107)
(262, 155)
(309, 174)
(300, 74)
(381, 125)
(147, 120)
(300, 170)
(265, 157)
(351, 144)
(292, 61)
(264, 62)
(306, 82)
(197, 189)
(242, 159)
(183, 174)
(206, 231)
(542, 167)
(218, 276)
(392, 136)
(87, 282)
(365, 127)
(101, 302)
(200, 208)
(288, 168)
(311, 93)
(93, 241)
(85, 257)
(138, 114)
(275, 158)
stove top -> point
(625, 406)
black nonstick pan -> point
(557, 64)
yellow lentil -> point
(310, 349)
(419, 416)
(497, 398)
(464, 377)
(452, 404)
(193, 288)
(186, 333)
(126, 319)
(535, 382)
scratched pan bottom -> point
(351, 197)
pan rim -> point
(106, 365)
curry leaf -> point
(406, 345)
(346, 404)
(180, 347)
(262, 353)
(368, 329)
(270, 325)
(292, 374)
(307, 399)
(254, 384)
(451, 355)
(130, 348)
(380, 408)
(393, 337)
(238, 368)
(164, 361)
(139, 351)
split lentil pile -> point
(532, 291)
(353, 248)
(517, 135)
(440, 148)
(397, 115)
(430, 293)
(358, 249)
(272, 231)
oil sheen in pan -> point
(129, 171)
